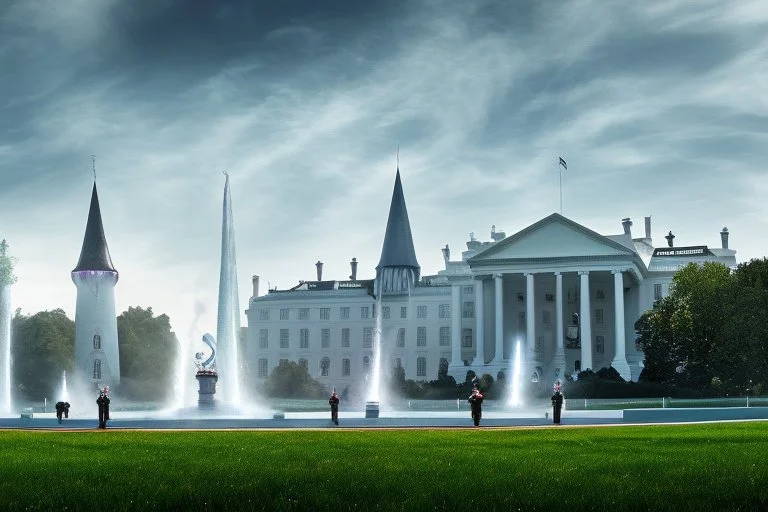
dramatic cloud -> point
(658, 107)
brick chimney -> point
(353, 264)
(724, 237)
(648, 227)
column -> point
(499, 285)
(456, 326)
(530, 319)
(558, 360)
(585, 322)
(620, 353)
(480, 323)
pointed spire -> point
(95, 253)
(398, 250)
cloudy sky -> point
(659, 108)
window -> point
(598, 316)
(599, 344)
(398, 363)
(421, 311)
(466, 338)
(283, 362)
(325, 313)
(445, 336)
(96, 342)
(469, 310)
(401, 337)
(404, 312)
(367, 337)
(285, 313)
(373, 308)
(539, 346)
(304, 338)
(325, 367)
(421, 366)
(345, 367)
(263, 314)
(366, 364)
(344, 313)
(364, 312)
(421, 336)
(385, 312)
(521, 324)
(469, 290)
(263, 369)
(263, 339)
(97, 369)
(325, 338)
(303, 313)
(444, 311)
(345, 337)
(304, 364)
(657, 291)
(283, 338)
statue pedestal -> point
(207, 388)
(371, 409)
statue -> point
(206, 375)
(209, 365)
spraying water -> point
(374, 393)
(63, 393)
(5, 339)
(514, 395)
(182, 375)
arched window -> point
(96, 342)
(366, 363)
(97, 369)
(325, 366)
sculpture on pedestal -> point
(206, 375)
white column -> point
(558, 360)
(530, 318)
(456, 326)
(620, 353)
(499, 285)
(480, 323)
(585, 323)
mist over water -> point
(5, 346)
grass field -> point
(690, 467)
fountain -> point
(63, 393)
(514, 382)
(206, 375)
(374, 393)
(6, 280)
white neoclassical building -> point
(568, 295)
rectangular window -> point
(285, 313)
(345, 367)
(97, 369)
(598, 316)
(283, 338)
(367, 337)
(325, 313)
(304, 338)
(385, 312)
(444, 311)
(469, 290)
(599, 344)
(263, 339)
(303, 313)
(657, 291)
(283, 362)
(325, 338)
(421, 366)
(469, 310)
(445, 336)
(404, 312)
(421, 336)
(345, 337)
(263, 368)
(401, 337)
(263, 314)
(466, 338)
(344, 313)
(373, 308)
(421, 311)
(364, 312)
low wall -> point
(685, 414)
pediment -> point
(552, 237)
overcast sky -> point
(659, 108)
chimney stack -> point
(627, 226)
(724, 237)
(648, 228)
(670, 237)
(255, 280)
(319, 266)
(353, 264)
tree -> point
(291, 380)
(753, 274)
(6, 265)
(43, 348)
(148, 352)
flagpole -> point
(560, 168)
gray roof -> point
(95, 253)
(398, 250)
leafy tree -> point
(753, 274)
(43, 348)
(148, 352)
(6, 265)
(291, 380)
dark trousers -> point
(335, 414)
(476, 417)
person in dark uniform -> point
(103, 403)
(334, 403)
(557, 402)
(476, 403)
(62, 408)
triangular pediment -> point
(552, 237)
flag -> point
(562, 162)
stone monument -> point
(206, 375)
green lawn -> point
(690, 467)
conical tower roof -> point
(95, 253)
(398, 250)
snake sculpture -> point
(209, 363)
